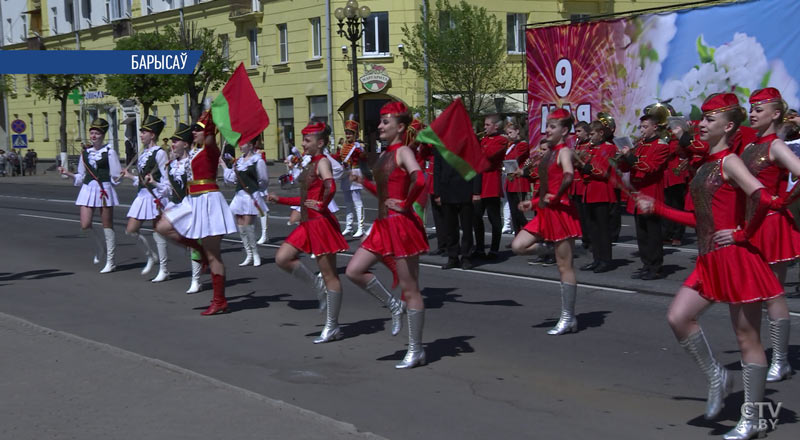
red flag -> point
(237, 111)
(451, 133)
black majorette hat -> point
(184, 133)
(99, 124)
(153, 124)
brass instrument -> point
(480, 134)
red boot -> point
(218, 303)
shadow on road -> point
(34, 275)
(435, 297)
(436, 350)
(585, 320)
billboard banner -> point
(620, 66)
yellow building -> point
(298, 64)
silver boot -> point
(331, 330)
(779, 369)
(161, 246)
(415, 356)
(720, 381)
(304, 274)
(754, 377)
(396, 306)
(567, 323)
(111, 246)
(321, 288)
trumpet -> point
(580, 157)
(480, 134)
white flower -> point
(781, 80)
(744, 60)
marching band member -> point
(99, 171)
(494, 145)
(729, 268)
(318, 233)
(556, 220)
(204, 213)
(770, 160)
(582, 146)
(249, 174)
(174, 188)
(349, 156)
(152, 161)
(599, 192)
(675, 177)
(264, 218)
(516, 189)
(646, 164)
(397, 236)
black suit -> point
(457, 210)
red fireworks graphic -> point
(571, 65)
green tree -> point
(465, 50)
(148, 88)
(211, 72)
(59, 87)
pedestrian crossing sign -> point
(19, 140)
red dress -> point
(736, 273)
(778, 238)
(318, 232)
(400, 234)
(558, 220)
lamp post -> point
(356, 20)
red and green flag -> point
(237, 111)
(451, 133)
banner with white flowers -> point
(621, 66)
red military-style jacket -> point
(675, 162)
(519, 152)
(577, 188)
(494, 148)
(597, 186)
(647, 169)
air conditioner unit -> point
(121, 28)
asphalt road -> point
(493, 371)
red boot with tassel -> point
(218, 304)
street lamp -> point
(356, 20)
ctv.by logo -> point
(763, 423)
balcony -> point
(245, 12)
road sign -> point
(18, 126)
(19, 140)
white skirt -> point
(242, 203)
(90, 195)
(200, 216)
(144, 206)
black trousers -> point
(675, 197)
(648, 237)
(518, 219)
(491, 206)
(586, 237)
(458, 218)
(438, 222)
(616, 218)
(598, 219)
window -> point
(177, 109)
(252, 37)
(446, 21)
(256, 5)
(86, 9)
(283, 43)
(24, 19)
(30, 118)
(46, 126)
(148, 7)
(78, 124)
(28, 82)
(108, 11)
(316, 38)
(515, 26)
(154, 111)
(120, 9)
(376, 35)
(318, 108)
(285, 126)
(69, 14)
(226, 46)
(54, 20)
(579, 18)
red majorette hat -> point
(393, 108)
(720, 102)
(559, 114)
(314, 128)
(351, 125)
(765, 95)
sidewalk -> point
(88, 390)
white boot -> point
(195, 286)
(97, 237)
(110, 248)
(360, 220)
(348, 224)
(161, 246)
(264, 236)
(507, 218)
(246, 244)
(251, 238)
(144, 245)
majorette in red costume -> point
(318, 233)
(729, 268)
(556, 220)
(350, 156)
(770, 160)
(204, 213)
(397, 233)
